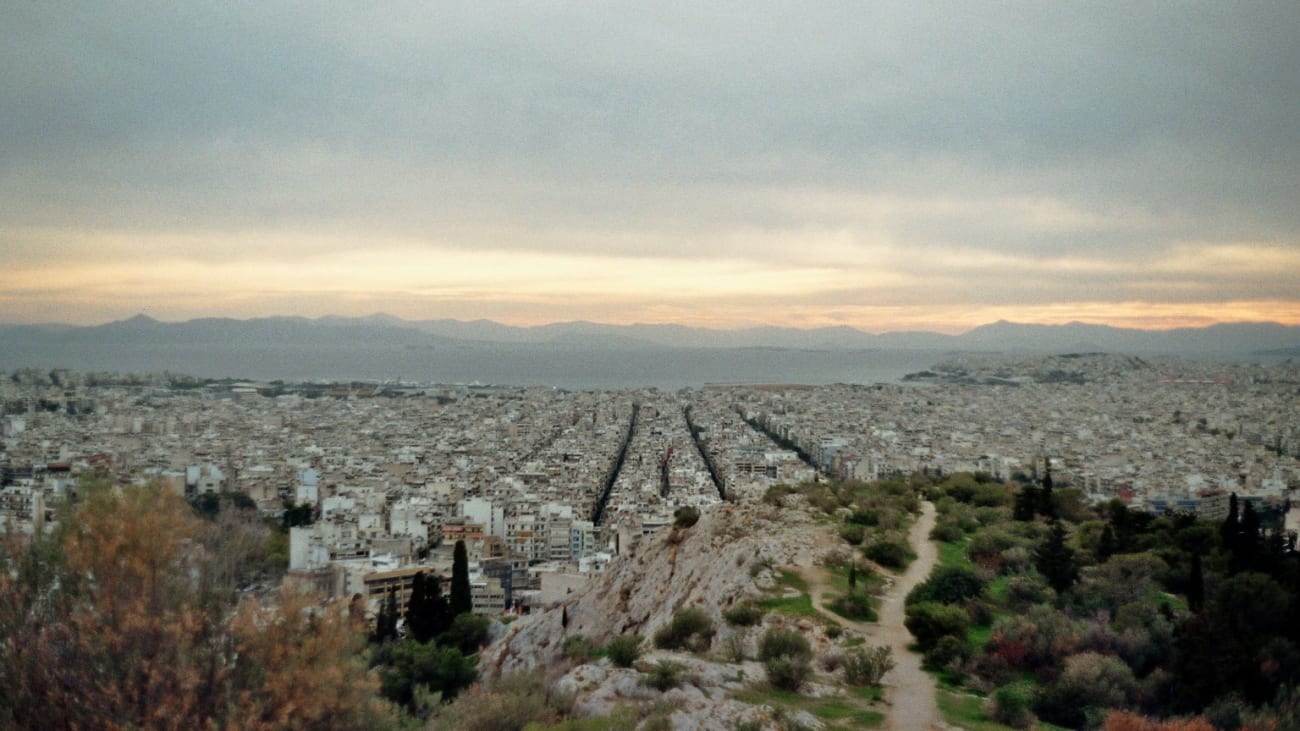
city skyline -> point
(911, 167)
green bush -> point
(866, 517)
(624, 650)
(853, 533)
(787, 673)
(947, 585)
(777, 642)
(665, 675)
(867, 666)
(744, 614)
(928, 621)
(690, 629)
(1089, 681)
(685, 517)
(854, 605)
(947, 651)
(786, 656)
(1010, 705)
(577, 647)
(889, 554)
(947, 531)
(413, 670)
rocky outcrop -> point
(723, 559)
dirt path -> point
(909, 690)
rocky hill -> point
(733, 554)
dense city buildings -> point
(544, 485)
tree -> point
(427, 612)
(124, 618)
(461, 599)
(1196, 585)
(1056, 560)
(1046, 503)
(1026, 503)
(386, 620)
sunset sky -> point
(886, 166)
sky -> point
(887, 166)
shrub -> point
(512, 703)
(890, 554)
(787, 672)
(690, 628)
(786, 656)
(947, 585)
(1089, 681)
(665, 675)
(577, 647)
(945, 531)
(1010, 704)
(867, 666)
(928, 621)
(1026, 590)
(744, 614)
(854, 605)
(853, 533)
(865, 517)
(685, 517)
(947, 651)
(778, 641)
(624, 650)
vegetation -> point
(786, 657)
(866, 666)
(1089, 617)
(129, 615)
(689, 629)
(624, 650)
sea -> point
(574, 367)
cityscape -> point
(544, 485)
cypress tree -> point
(1230, 528)
(1056, 560)
(1026, 505)
(1106, 544)
(1196, 585)
(461, 599)
(1046, 505)
(427, 615)
(386, 620)
(853, 576)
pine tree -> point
(853, 576)
(461, 599)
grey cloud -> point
(425, 119)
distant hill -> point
(567, 353)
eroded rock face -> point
(706, 566)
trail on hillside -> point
(910, 691)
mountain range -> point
(579, 353)
(1232, 339)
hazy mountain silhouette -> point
(573, 353)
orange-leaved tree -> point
(125, 617)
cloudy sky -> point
(887, 166)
